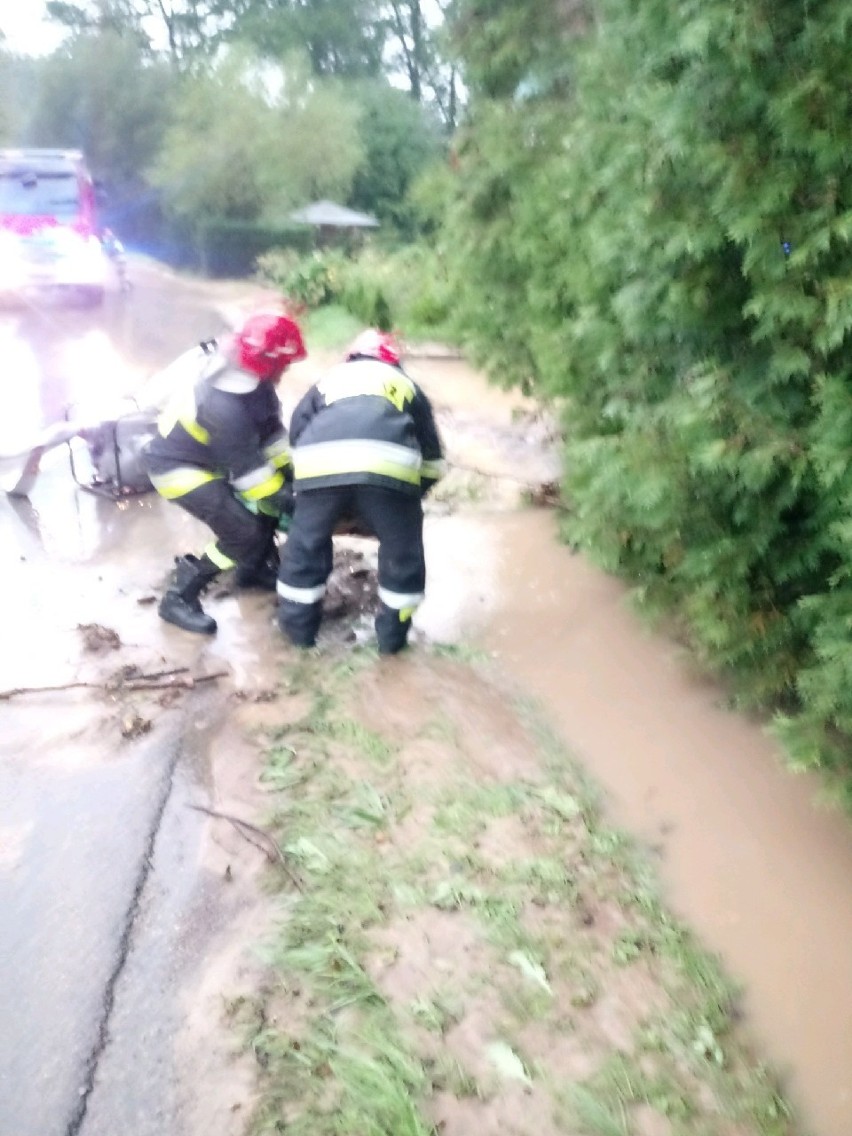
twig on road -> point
(187, 682)
(265, 842)
(176, 678)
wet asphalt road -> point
(98, 852)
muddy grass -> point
(457, 942)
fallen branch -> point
(187, 682)
(265, 842)
(137, 682)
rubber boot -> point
(180, 605)
(299, 622)
(392, 629)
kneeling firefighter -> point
(365, 446)
(221, 453)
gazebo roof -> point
(327, 213)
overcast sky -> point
(22, 24)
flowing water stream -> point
(748, 855)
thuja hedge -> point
(655, 228)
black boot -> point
(391, 630)
(180, 605)
(300, 622)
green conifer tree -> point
(654, 224)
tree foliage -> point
(250, 142)
(400, 138)
(654, 224)
(352, 39)
(341, 38)
(180, 30)
(100, 94)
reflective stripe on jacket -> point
(227, 424)
(365, 422)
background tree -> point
(341, 38)
(412, 48)
(100, 94)
(418, 53)
(445, 80)
(400, 138)
(398, 40)
(181, 29)
(249, 141)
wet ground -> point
(111, 885)
(748, 856)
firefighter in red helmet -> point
(365, 446)
(221, 453)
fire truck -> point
(50, 247)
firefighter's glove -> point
(278, 504)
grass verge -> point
(473, 948)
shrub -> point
(310, 281)
(405, 289)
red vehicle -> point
(49, 242)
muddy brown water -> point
(746, 853)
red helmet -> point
(375, 344)
(267, 343)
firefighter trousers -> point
(242, 538)
(396, 519)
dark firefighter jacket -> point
(228, 424)
(366, 423)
